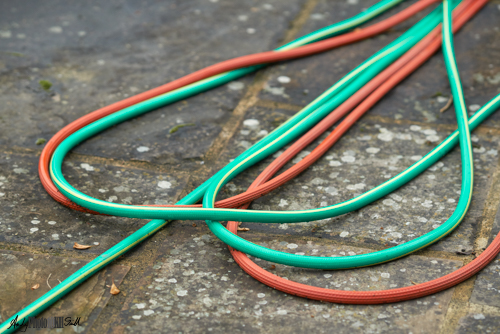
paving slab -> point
(97, 54)
(368, 155)
(30, 216)
(419, 97)
(23, 271)
(480, 320)
(182, 294)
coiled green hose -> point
(270, 144)
(152, 227)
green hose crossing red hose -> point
(310, 116)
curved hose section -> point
(292, 50)
(401, 294)
(152, 227)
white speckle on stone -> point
(434, 262)
(388, 202)
(284, 79)
(148, 312)
(385, 136)
(267, 6)
(372, 150)
(364, 138)
(317, 16)
(52, 222)
(102, 190)
(442, 99)
(33, 229)
(432, 138)
(261, 295)
(429, 132)
(87, 167)
(21, 171)
(474, 107)
(382, 316)
(21, 36)
(335, 163)
(479, 316)
(292, 246)
(352, 2)
(451, 200)
(35, 222)
(250, 31)
(283, 226)
(164, 184)
(136, 317)
(242, 18)
(331, 191)
(56, 30)
(281, 312)
(82, 33)
(385, 275)
(479, 150)
(492, 152)
(55, 236)
(344, 234)
(140, 306)
(402, 270)
(182, 293)
(5, 34)
(172, 280)
(415, 128)
(251, 123)
(112, 198)
(283, 203)
(236, 85)
(415, 157)
(348, 158)
(142, 149)
(427, 203)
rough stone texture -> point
(22, 271)
(480, 320)
(31, 217)
(368, 155)
(424, 93)
(182, 294)
(96, 53)
(88, 58)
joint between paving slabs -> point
(459, 305)
(489, 212)
(251, 95)
(108, 317)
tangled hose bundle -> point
(353, 95)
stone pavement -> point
(183, 279)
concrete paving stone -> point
(311, 76)
(368, 155)
(480, 319)
(21, 271)
(486, 291)
(30, 216)
(182, 294)
(98, 53)
(419, 97)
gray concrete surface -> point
(183, 279)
